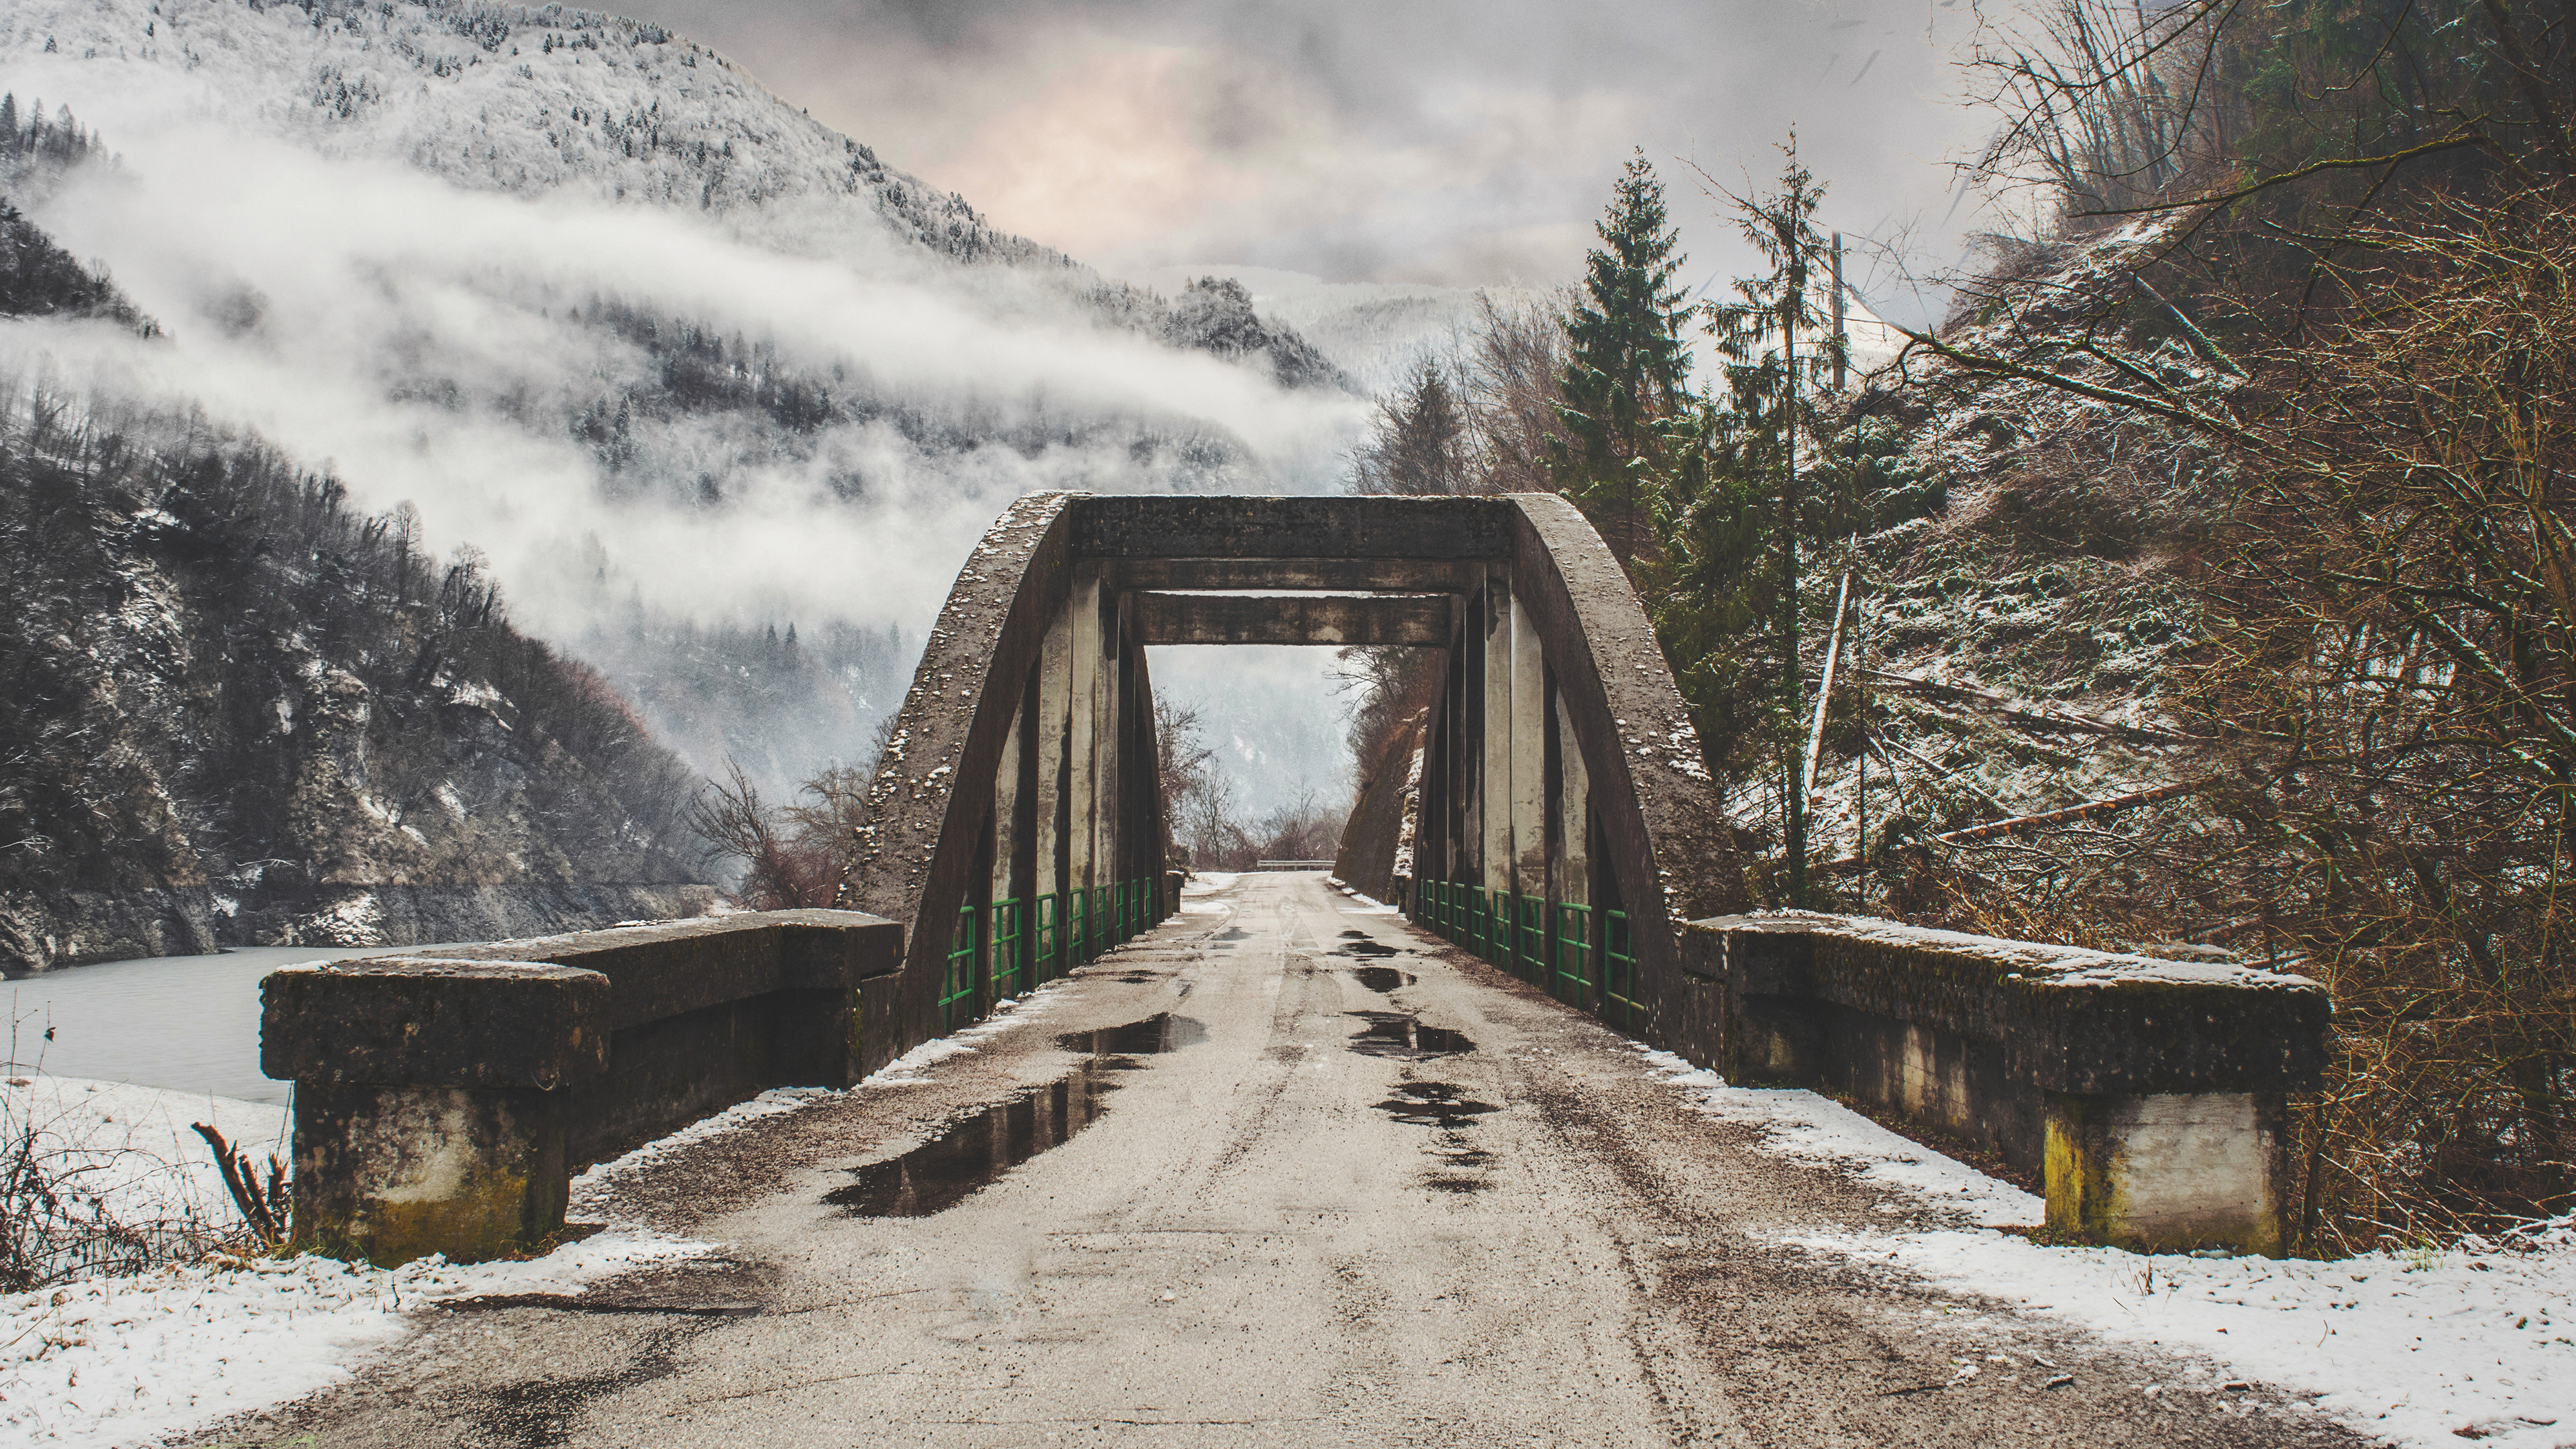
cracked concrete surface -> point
(1372, 1193)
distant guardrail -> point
(1292, 865)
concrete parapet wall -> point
(2150, 1094)
(442, 1103)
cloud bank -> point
(1450, 142)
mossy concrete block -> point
(390, 1174)
(2147, 1092)
(2169, 1173)
(435, 1021)
(443, 1102)
(2068, 1020)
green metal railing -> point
(1046, 937)
(959, 983)
(1009, 968)
(1531, 946)
(1580, 955)
(1619, 1003)
(1575, 954)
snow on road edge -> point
(119, 1361)
(2423, 1349)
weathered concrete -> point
(1148, 526)
(1555, 683)
(441, 1102)
(1267, 1236)
(1341, 619)
(1325, 575)
(2150, 1093)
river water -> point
(188, 1023)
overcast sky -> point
(1369, 140)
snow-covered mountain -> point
(685, 364)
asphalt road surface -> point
(1287, 1172)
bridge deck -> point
(1313, 1219)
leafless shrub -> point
(793, 856)
(65, 1205)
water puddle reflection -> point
(1436, 1104)
(980, 1148)
(1394, 1034)
(1381, 979)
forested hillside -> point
(234, 710)
(2201, 586)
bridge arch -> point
(1561, 821)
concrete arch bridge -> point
(1550, 811)
(1548, 814)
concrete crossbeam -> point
(1321, 575)
(1142, 526)
(1421, 619)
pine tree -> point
(1626, 369)
(1738, 506)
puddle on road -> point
(1156, 1034)
(1382, 979)
(1232, 933)
(1436, 1104)
(979, 1149)
(1359, 943)
(1394, 1034)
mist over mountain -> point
(688, 367)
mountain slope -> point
(236, 711)
(663, 346)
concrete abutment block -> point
(2150, 1095)
(443, 1103)
(2169, 1172)
(390, 1173)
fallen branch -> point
(2042, 719)
(2072, 812)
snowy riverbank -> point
(106, 1361)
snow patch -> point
(2421, 1349)
(1810, 1128)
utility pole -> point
(1792, 305)
(1839, 345)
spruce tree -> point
(1626, 367)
